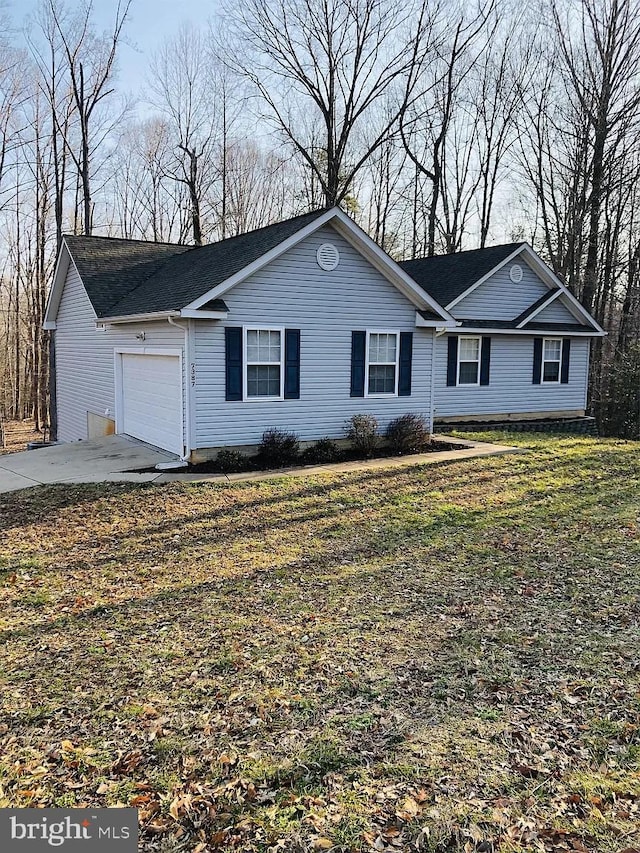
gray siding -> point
(294, 292)
(85, 358)
(510, 388)
(498, 298)
(555, 313)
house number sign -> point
(193, 374)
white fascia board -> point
(533, 333)
(204, 315)
(551, 279)
(480, 281)
(552, 298)
(356, 237)
(438, 325)
(57, 286)
(138, 318)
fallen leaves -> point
(391, 663)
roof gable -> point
(448, 277)
(500, 297)
(554, 312)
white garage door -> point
(152, 400)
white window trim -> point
(245, 363)
(466, 361)
(557, 361)
(366, 362)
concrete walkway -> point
(468, 450)
(97, 461)
(113, 460)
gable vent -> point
(328, 257)
(515, 273)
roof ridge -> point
(316, 211)
(465, 251)
(130, 240)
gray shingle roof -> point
(124, 277)
(110, 268)
(445, 277)
(127, 277)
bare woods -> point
(439, 126)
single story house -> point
(300, 325)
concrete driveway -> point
(97, 461)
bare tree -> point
(323, 67)
(182, 86)
(426, 121)
(89, 64)
(599, 44)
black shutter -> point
(452, 360)
(233, 362)
(358, 346)
(564, 368)
(537, 361)
(292, 364)
(485, 361)
(406, 352)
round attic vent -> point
(328, 257)
(515, 273)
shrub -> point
(362, 431)
(408, 434)
(231, 461)
(324, 450)
(278, 448)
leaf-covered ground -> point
(441, 658)
(17, 434)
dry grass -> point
(437, 658)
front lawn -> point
(438, 658)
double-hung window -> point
(264, 363)
(382, 363)
(551, 359)
(469, 361)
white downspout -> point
(437, 333)
(187, 401)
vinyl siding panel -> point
(499, 298)
(555, 313)
(293, 292)
(510, 388)
(85, 358)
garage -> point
(151, 399)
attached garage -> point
(150, 398)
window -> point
(263, 348)
(468, 361)
(382, 363)
(551, 357)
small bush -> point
(278, 448)
(324, 450)
(407, 434)
(231, 461)
(362, 431)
